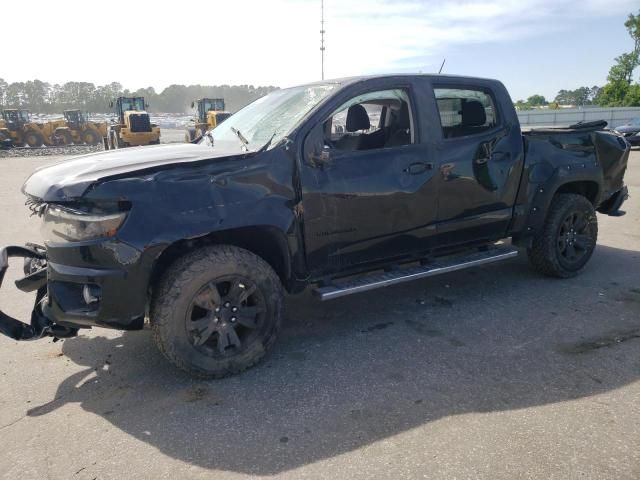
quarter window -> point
(465, 112)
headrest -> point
(357, 119)
(473, 114)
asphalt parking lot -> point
(493, 372)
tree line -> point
(620, 89)
(43, 97)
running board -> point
(341, 288)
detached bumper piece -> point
(35, 280)
(612, 206)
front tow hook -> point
(35, 280)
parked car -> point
(631, 131)
(204, 239)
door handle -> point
(417, 168)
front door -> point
(368, 188)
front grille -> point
(140, 122)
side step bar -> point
(341, 288)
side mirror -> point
(193, 104)
(146, 105)
(111, 104)
(323, 157)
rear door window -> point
(465, 112)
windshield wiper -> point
(266, 145)
(244, 141)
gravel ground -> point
(492, 373)
(50, 151)
(166, 136)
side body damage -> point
(442, 170)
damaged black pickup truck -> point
(341, 186)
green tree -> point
(623, 69)
(536, 100)
(620, 90)
(632, 98)
(579, 96)
(15, 96)
(522, 105)
(613, 94)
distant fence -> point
(568, 116)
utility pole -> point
(322, 35)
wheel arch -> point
(265, 241)
(529, 217)
(587, 188)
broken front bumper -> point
(35, 280)
(612, 205)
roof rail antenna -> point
(442, 66)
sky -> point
(533, 46)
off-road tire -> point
(34, 139)
(90, 137)
(173, 298)
(63, 138)
(544, 253)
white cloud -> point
(261, 42)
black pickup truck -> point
(340, 186)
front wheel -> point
(90, 137)
(34, 139)
(568, 238)
(217, 311)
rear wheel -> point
(90, 137)
(34, 139)
(217, 311)
(568, 238)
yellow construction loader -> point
(133, 126)
(16, 125)
(79, 130)
(211, 113)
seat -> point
(473, 119)
(401, 134)
(357, 119)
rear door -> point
(480, 162)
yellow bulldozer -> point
(211, 113)
(78, 129)
(133, 126)
(16, 125)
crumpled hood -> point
(70, 179)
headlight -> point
(63, 225)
